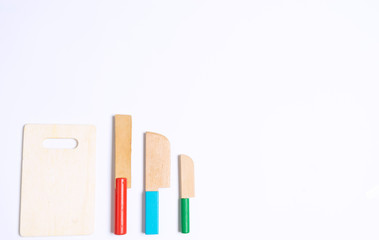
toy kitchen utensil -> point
(157, 175)
(58, 185)
(187, 190)
(123, 150)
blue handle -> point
(152, 212)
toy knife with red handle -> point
(123, 150)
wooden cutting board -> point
(58, 185)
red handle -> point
(120, 207)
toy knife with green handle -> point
(187, 190)
(157, 175)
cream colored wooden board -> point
(123, 147)
(187, 177)
(58, 185)
(157, 161)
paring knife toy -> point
(122, 141)
(157, 175)
(187, 190)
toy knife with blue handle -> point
(157, 175)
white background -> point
(275, 101)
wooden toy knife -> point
(123, 140)
(187, 190)
(157, 175)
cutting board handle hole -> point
(65, 143)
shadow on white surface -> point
(112, 193)
(19, 203)
(144, 182)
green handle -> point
(184, 205)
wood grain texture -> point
(187, 177)
(157, 162)
(58, 185)
(123, 147)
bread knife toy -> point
(157, 175)
(122, 141)
(187, 190)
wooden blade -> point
(123, 147)
(157, 162)
(187, 177)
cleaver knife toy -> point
(123, 150)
